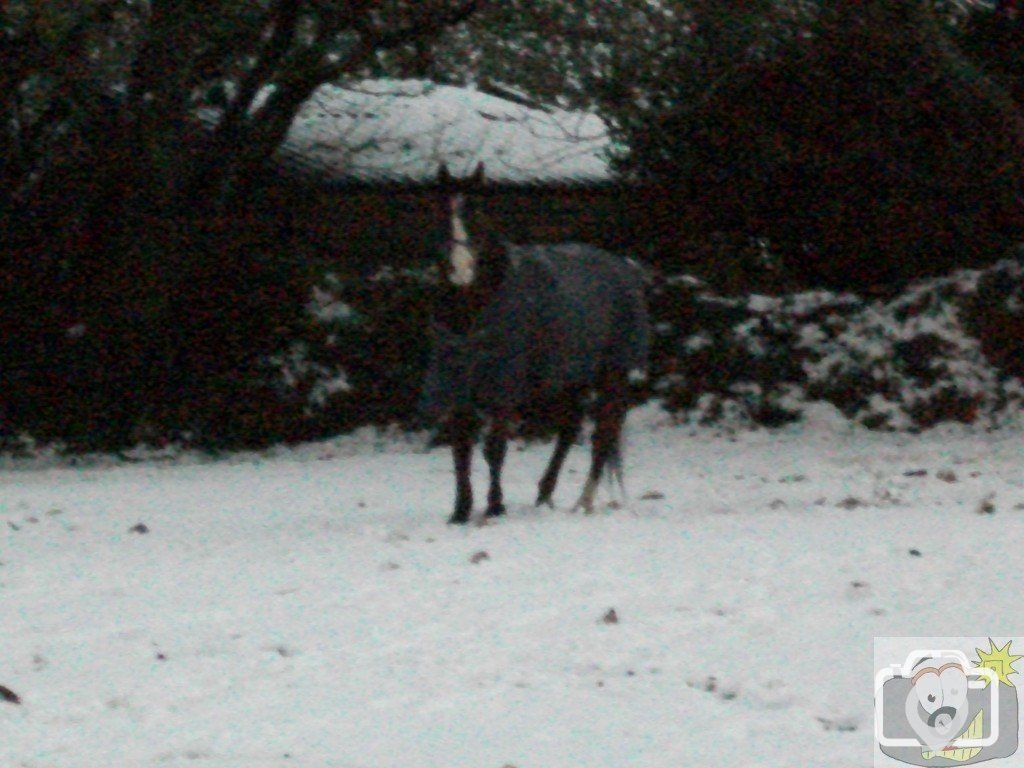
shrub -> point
(947, 349)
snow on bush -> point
(359, 359)
(922, 358)
(949, 349)
(305, 369)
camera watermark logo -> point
(940, 707)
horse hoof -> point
(544, 500)
(496, 511)
(458, 519)
(584, 505)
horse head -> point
(474, 259)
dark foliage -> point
(101, 380)
(869, 153)
(995, 316)
(994, 36)
(698, 353)
(383, 350)
(949, 349)
(143, 287)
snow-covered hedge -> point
(362, 355)
(947, 349)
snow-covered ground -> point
(309, 607)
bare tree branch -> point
(428, 23)
(284, 19)
(304, 70)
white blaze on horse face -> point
(462, 258)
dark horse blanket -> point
(563, 314)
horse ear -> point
(444, 177)
(479, 177)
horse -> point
(514, 326)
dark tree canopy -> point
(130, 131)
(870, 141)
(871, 151)
(142, 274)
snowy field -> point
(309, 607)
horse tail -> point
(616, 475)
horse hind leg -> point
(616, 477)
(570, 421)
(606, 442)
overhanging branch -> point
(244, 144)
(283, 19)
(429, 23)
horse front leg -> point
(495, 449)
(463, 434)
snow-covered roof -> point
(402, 130)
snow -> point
(309, 607)
(932, 353)
(402, 130)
